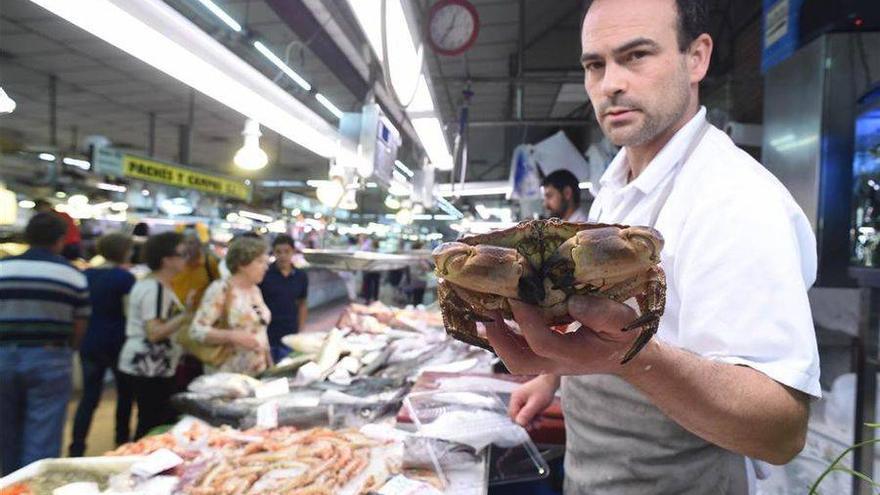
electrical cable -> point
(863, 57)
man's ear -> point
(699, 56)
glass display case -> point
(865, 232)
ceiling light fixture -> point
(112, 187)
(222, 15)
(251, 156)
(76, 162)
(489, 188)
(49, 157)
(155, 33)
(281, 65)
(328, 105)
(26, 204)
(403, 168)
(585, 185)
(434, 140)
(254, 216)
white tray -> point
(110, 465)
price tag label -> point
(401, 485)
(273, 388)
(267, 415)
(158, 462)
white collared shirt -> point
(579, 215)
(739, 255)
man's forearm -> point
(734, 407)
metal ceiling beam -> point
(301, 21)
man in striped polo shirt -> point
(44, 306)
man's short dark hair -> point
(45, 230)
(283, 239)
(159, 247)
(693, 20)
(561, 179)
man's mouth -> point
(617, 111)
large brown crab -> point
(543, 262)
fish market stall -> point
(324, 420)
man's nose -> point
(614, 80)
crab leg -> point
(651, 304)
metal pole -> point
(53, 110)
(151, 134)
(866, 386)
(520, 59)
(185, 140)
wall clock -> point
(453, 26)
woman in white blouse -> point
(150, 354)
(247, 316)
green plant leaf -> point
(857, 474)
(872, 425)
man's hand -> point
(532, 398)
(714, 400)
(597, 347)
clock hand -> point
(449, 29)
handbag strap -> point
(159, 299)
(227, 305)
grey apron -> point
(618, 443)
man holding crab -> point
(729, 376)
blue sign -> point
(781, 31)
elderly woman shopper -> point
(150, 354)
(232, 312)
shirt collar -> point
(668, 157)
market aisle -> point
(100, 437)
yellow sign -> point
(153, 171)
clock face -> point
(452, 26)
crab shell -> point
(543, 262)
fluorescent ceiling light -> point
(26, 204)
(328, 105)
(281, 65)
(112, 187)
(49, 157)
(316, 182)
(585, 185)
(403, 168)
(422, 102)
(372, 185)
(446, 217)
(76, 162)
(448, 207)
(474, 189)
(399, 176)
(254, 216)
(221, 14)
(434, 141)
(154, 32)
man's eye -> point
(590, 66)
(636, 56)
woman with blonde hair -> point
(232, 312)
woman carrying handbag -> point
(230, 324)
